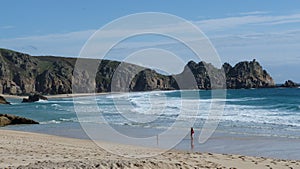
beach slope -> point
(31, 150)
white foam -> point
(141, 105)
(42, 101)
(51, 122)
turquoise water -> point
(258, 113)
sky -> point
(268, 31)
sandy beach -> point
(31, 150)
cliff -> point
(23, 74)
(247, 75)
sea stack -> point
(290, 84)
(34, 98)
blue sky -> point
(240, 30)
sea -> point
(255, 122)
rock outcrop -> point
(7, 119)
(3, 100)
(148, 80)
(290, 84)
(247, 75)
(22, 74)
(34, 98)
(201, 75)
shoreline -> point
(28, 149)
(220, 142)
(234, 143)
(108, 93)
(57, 95)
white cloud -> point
(254, 13)
(238, 21)
(241, 37)
(71, 43)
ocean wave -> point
(170, 108)
(60, 101)
(55, 105)
(60, 120)
(15, 103)
(231, 100)
(51, 122)
(148, 106)
(261, 116)
(42, 101)
(280, 107)
(137, 94)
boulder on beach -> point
(290, 84)
(8, 119)
(3, 100)
(34, 98)
(4, 121)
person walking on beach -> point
(192, 133)
(192, 138)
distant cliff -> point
(24, 74)
(247, 75)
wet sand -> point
(31, 150)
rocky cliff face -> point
(148, 80)
(247, 75)
(17, 72)
(205, 74)
(23, 74)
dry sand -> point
(31, 150)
